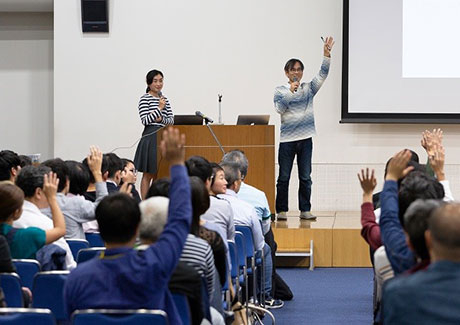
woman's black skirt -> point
(145, 159)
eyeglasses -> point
(134, 171)
(296, 70)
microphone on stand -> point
(204, 117)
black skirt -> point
(145, 159)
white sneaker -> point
(306, 215)
(281, 216)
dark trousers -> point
(286, 153)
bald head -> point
(444, 227)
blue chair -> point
(119, 316)
(94, 239)
(183, 307)
(242, 262)
(26, 316)
(11, 286)
(77, 244)
(26, 269)
(89, 253)
(48, 292)
(251, 257)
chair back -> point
(94, 239)
(248, 240)
(11, 286)
(119, 316)
(183, 307)
(89, 253)
(26, 316)
(26, 269)
(77, 244)
(240, 249)
(233, 259)
(48, 292)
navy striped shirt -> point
(149, 111)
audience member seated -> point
(185, 279)
(30, 180)
(122, 278)
(10, 165)
(76, 209)
(90, 193)
(248, 193)
(129, 176)
(25, 242)
(416, 185)
(25, 161)
(258, 200)
(200, 204)
(219, 213)
(198, 251)
(431, 296)
(115, 171)
(244, 214)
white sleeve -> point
(447, 192)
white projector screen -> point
(400, 61)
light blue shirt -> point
(258, 200)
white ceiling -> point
(26, 5)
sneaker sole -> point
(307, 218)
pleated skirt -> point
(145, 159)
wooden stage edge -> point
(336, 236)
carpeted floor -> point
(327, 296)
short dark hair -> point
(239, 158)
(200, 167)
(78, 177)
(25, 161)
(59, 167)
(417, 185)
(118, 216)
(215, 168)
(159, 187)
(103, 167)
(8, 159)
(114, 164)
(231, 173)
(416, 223)
(200, 202)
(291, 63)
(30, 178)
(149, 77)
(11, 199)
(126, 161)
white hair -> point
(154, 213)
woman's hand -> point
(162, 103)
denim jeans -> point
(267, 269)
(286, 153)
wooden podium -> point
(257, 142)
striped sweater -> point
(149, 111)
(296, 109)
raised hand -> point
(173, 146)
(94, 159)
(437, 160)
(328, 44)
(397, 168)
(126, 188)
(368, 181)
(50, 186)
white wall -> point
(26, 82)
(237, 48)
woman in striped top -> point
(155, 112)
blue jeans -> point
(268, 268)
(286, 153)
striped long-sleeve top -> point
(198, 254)
(149, 111)
(296, 109)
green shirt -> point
(26, 242)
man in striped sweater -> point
(294, 102)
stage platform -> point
(337, 241)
